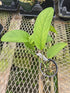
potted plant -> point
(27, 4)
(39, 39)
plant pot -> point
(27, 6)
(64, 8)
(48, 3)
(9, 5)
(33, 10)
(7, 2)
(49, 68)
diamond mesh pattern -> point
(63, 58)
(22, 73)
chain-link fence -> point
(19, 70)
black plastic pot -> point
(28, 10)
(32, 11)
(53, 64)
(9, 5)
(64, 8)
(48, 3)
(26, 6)
(7, 2)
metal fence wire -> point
(19, 70)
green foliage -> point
(16, 36)
(42, 26)
(31, 40)
(55, 49)
(52, 29)
(30, 46)
(49, 39)
(40, 36)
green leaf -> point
(15, 36)
(52, 29)
(28, 45)
(30, 51)
(42, 26)
(49, 39)
(51, 52)
(31, 40)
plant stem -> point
(40, 80)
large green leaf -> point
(15, 36)
(42, 26)
(52, 29)
(49, 39)
(51, 52)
